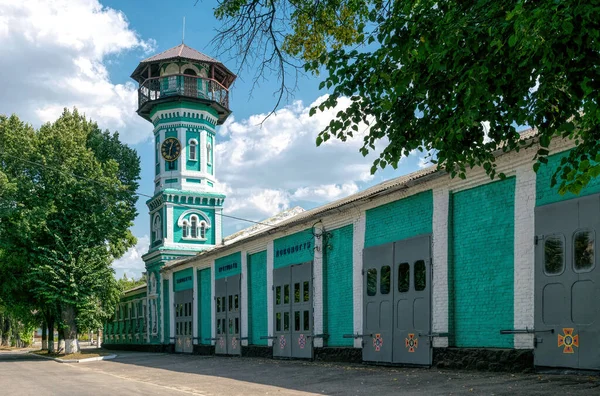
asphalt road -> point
(160, 374)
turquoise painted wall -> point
(157, 154)
(257, 297)
(178, 233)
(183, 280)
(193, 165)
(400, 219)
(482, 265)
(204, 306)
(546, 194)
(167, 313)
(228, 265)
(293, 249)
(338, 312)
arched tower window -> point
(194, 221)
(190, 72)
(193, 144)
(209, 153)
(203, 230)
(156, 228)
(185, 229)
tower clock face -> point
(170, 149)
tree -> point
(76, 201)
(454, 78)
(126, 283)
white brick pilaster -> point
(171, 309)
(244, 292)
(524, 250)
(213, 315)
(202, 151)
(439, 302)
(358, 244)
(318, 287)
(195, 306)
(169, 222)
(218, 222)
(270, 290)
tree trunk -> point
(69, 329)
(98, 339)
(50, 335)
(61, 341)
(44, 336)
(6, 331)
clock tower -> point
(185, 95)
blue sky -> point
(81, 53)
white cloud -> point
(54, 55)
(131, 263)
(272, 164)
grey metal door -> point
(233, 315)
(412, 301)
(378, 296)
(302, 311)
(221, 316)
(282, 279)
(184, 316)
(567, 313)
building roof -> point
(402, 182)
(181, 51)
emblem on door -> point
(282, 342)
(234, 342)
(377, 342)
(302, 341)
(222, 342)
(568, 340)
(411, 342)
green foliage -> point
(126, 283)
(66, 216)
(426, 75)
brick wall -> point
(204, 306)
(483, 265)
(546, 194)
(337, 281)
(400, 219)
(257, 298)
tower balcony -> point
(156, 90)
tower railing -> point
(155, 88)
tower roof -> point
(181, 51)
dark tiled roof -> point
(181, 51)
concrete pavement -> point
(134, 373)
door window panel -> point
(236, 302)
(385, 281)
(278, 321)
(286, 321)
(554, 254)
(403, 277)
(371, 282)
(583, 249)
(297, 321)
(420, 275)
(306, 291)
(306, 321)
(278, 295)
(286, 294)
(296, 292)
(237, 325)
(230, 302)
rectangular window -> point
(420, 275)
(306, 321)
(297, 321)
(286, 294)
(371, 282)
(236, 302)
(278, 321)
(385, 281)
(306, 291)
(223, 308)
(230, 302)
(278, 295)
(170, 165)
(583, 250)
(230, 326)
(296, 292)
(237, 325)
(554, 254)
(218, 305)
(286, 321)
(403, 277)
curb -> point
(92, 359)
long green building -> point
(419, 270)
